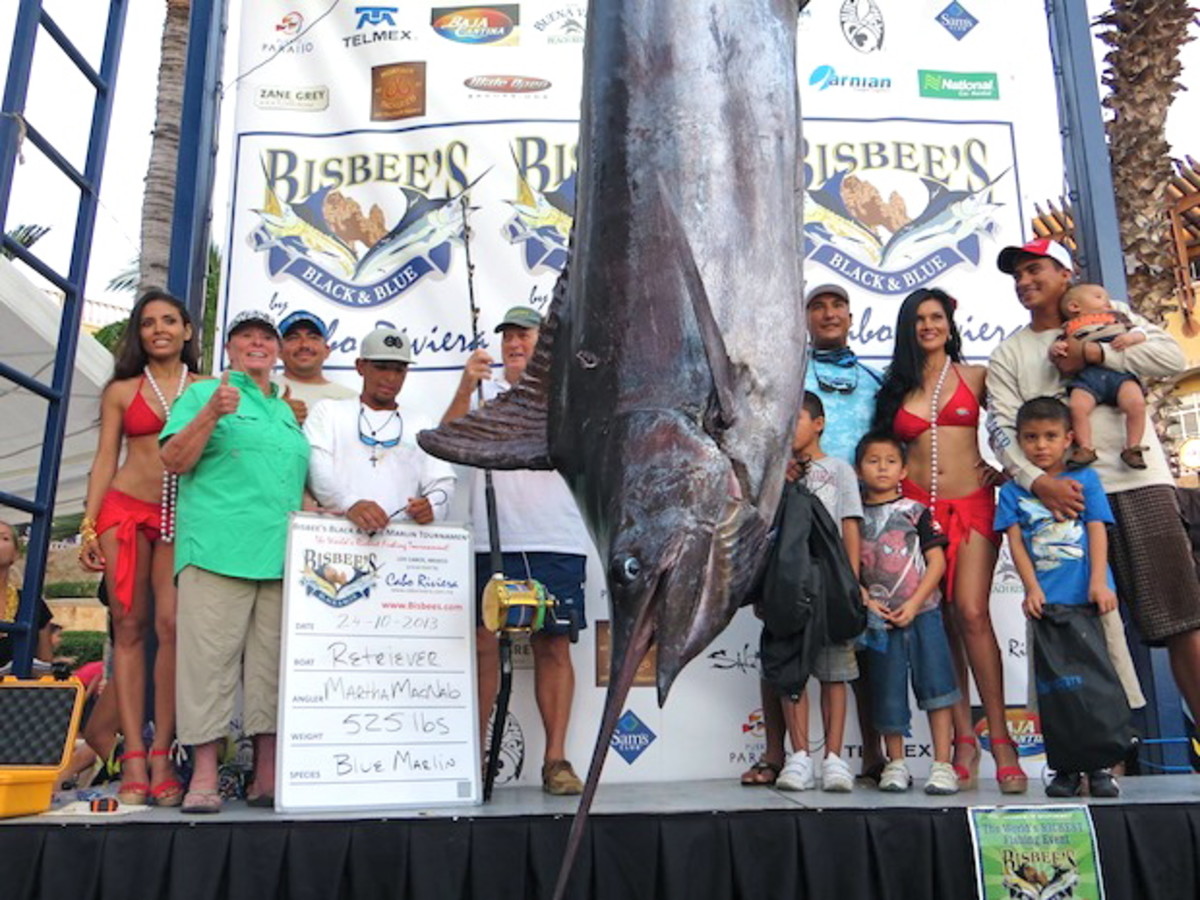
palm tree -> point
(25, 235)
(159, 198)
(1142, 76)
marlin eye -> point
(627, 569)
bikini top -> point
(139, 418)
(963, 409)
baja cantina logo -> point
(338, 579)
(477, 24)
(956, 20)
(862, 25)
(506, 84)
(286, 35)
(327, 243)
(631, 737)
(876, 241)
(566, 25)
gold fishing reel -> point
(515, 606)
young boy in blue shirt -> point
(1060, 562)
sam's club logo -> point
(958, 85)
(631, 737)
(956, 20)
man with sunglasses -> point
(846, 386)
(543, 538)
(365, 459)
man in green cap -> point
(543, 537)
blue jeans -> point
(921, 648)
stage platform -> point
(683, 841)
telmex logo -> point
(507, 84)
(825, 77)
(475, 24)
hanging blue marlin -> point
(668, 375)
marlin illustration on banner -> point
(852, 229)
(949, 217)
(315, 242)
(542, 223)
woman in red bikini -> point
(127, 529)
(931, 401)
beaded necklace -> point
(934, 404)
(170, 482)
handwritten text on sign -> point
(377, 699)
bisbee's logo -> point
(876, 242)
(507, 84)
(477, 24)
(338, 579)
(327, 243)
(631, 737)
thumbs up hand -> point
(299, 407)
(225, 398)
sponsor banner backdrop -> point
(361, 129)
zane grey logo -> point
(375, 15)
(862, 25)
(825, 77)
(956, 20)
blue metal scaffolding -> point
(188, 246)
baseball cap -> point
(386, 345)
(1007, 260)
(522, 317)
(303, 315)
(836, 289)
(251, 317)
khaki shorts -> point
(226, 629)
(835, 663)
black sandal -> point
(762, 774)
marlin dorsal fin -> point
(710, 333)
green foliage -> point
(26, 236)
(110, 334)
(70, 589)
(64, 527)
(212, 290)
(82, 646)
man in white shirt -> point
(542, 537)
(365, 460)
(1148, 549)
(303, 351)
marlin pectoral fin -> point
(710, 332)
(511, 431)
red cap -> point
(1009, 256)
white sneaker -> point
(835, 775)
(797, 774)
(895, 777)
(942, 779)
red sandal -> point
(1010, 779)
(967, 775)
(132, 793)
(169, 792)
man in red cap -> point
(1149, 550)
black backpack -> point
(809, 595)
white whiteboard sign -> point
(377, 704)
